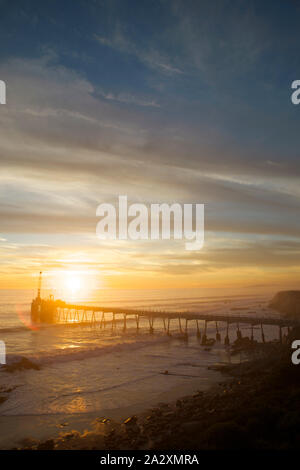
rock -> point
(23, 363)
(287, 303)
(103, 420)
(47, 445)
(70, 435)
(226, 435)
(29, 443)
(168, 414)
(156, 411)
(191, 427)
(130, 420)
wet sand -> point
(41, 428)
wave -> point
(44, 326)
(13, 329)
(105, 389)
(60, 356)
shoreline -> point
(249, 408)
(41, 428)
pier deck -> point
(58, 311)
(186, 315)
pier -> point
(103, 316)
(58, 311)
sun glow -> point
(72, 285)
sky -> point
(162, 101)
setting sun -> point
(73, 283)
(70, 284)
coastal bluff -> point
(287, 303)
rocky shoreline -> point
(255, 407)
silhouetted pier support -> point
(280, 334)
(186, 329)
(262, 333)
(100, 316)
(102, 322)
(151, 323)
(198, 330)
(218, 336)
(168, 329)
(204, 336)
(226, 341)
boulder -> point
(131, 420)
(191, 427)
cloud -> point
(219, 39)
(64, 149)
(150, 57)
(128, 98)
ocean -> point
(88, 373)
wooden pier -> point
(58, 311)
(112, 316)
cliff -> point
(287, 303)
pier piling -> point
(218, 336)
(179, 322)
(280, 334)
(262, 333)
(96, 316)
(226, 341)
(198, 330)
(238, 332)
(204, 336)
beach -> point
(253, 407)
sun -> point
(73, 283)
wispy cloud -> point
(150, 57)
(128, 98)
(174, 107)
